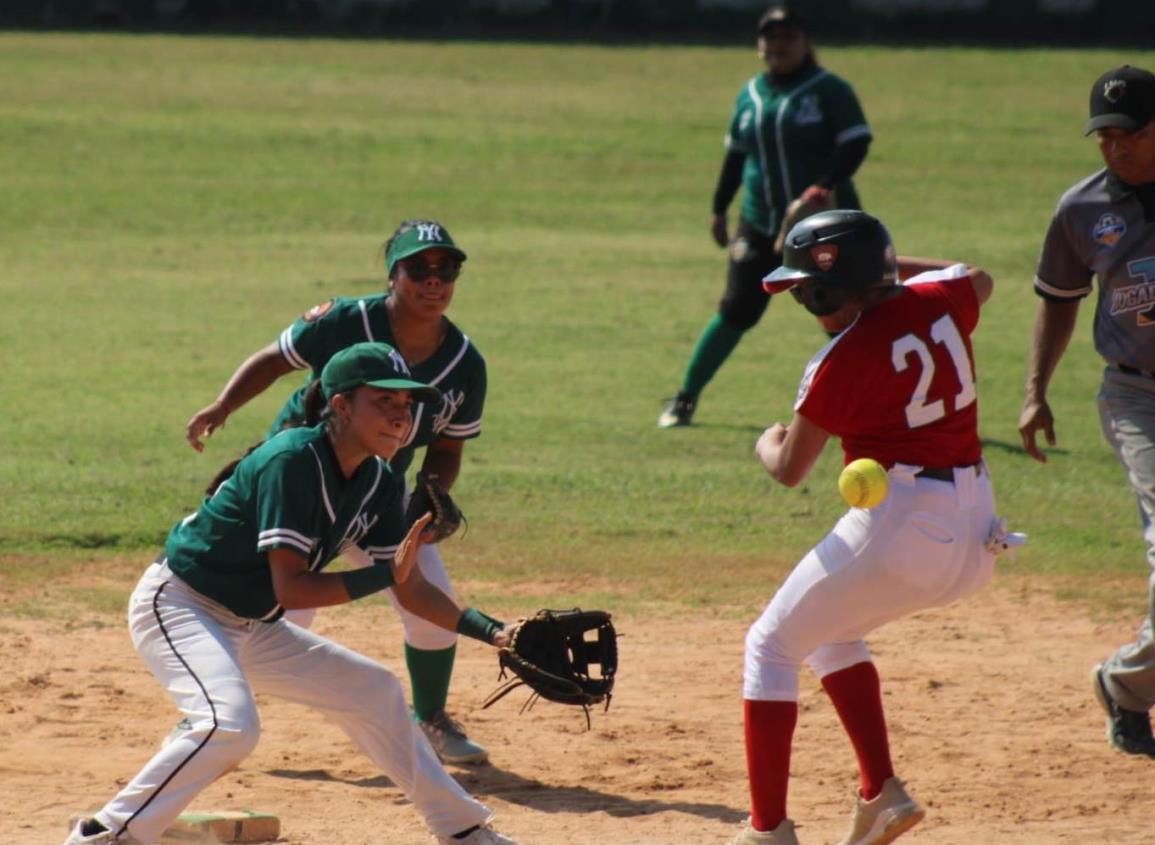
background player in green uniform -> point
(797, 131)
(207, 616)
(423, 263)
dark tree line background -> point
(1092, 23)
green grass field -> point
(170, 204)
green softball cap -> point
(426, 234)
(374, 364)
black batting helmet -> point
(832, 254)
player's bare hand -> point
(504, 637)
(719, 231)
(770, 440)
(1036, 417)
(407, 551)
(817, 195)
(204, 423)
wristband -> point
(363, 582)
(473, 623)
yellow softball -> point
(863, 483)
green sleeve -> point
(285, 501)
(741, 125)
(321, 332)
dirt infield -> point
(993, 725)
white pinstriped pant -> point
(924, 546)
(211, 662)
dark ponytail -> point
(226, 472)
(314, 405)
(315, 411)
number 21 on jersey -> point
(921, 409)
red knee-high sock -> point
(769, 734)
(857, 696)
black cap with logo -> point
(779, 15)
(1123, 98)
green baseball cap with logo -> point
(425, 234)
(374, 364)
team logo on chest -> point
(808, 111)
(399, 362)
(358, 527)
(450, 401)
(1109, 229)
(824, 256)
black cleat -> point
(1127, 730)
(679, 411)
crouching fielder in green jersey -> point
(423, 265)
(207, 616)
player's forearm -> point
(426, 600)
(729, 180)
(1054, 326)
(788, 453)
(443, 459)
(327, 589)
(253, 377)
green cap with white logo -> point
(425, 234)
(374, 364)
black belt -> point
(1135, 371)
(945, 473)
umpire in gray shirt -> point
(1105, 226)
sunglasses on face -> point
(419, 271)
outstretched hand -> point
(204, 423)
(504, 637)
(406, 554)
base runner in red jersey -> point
(896, 384)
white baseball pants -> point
(212, 662)
(923, 547)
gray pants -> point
(1127, 413)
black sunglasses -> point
(419, 271)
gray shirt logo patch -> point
(1109, 230)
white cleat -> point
(885, 817)
(484, 835)
(781, 835)
(100, 837)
